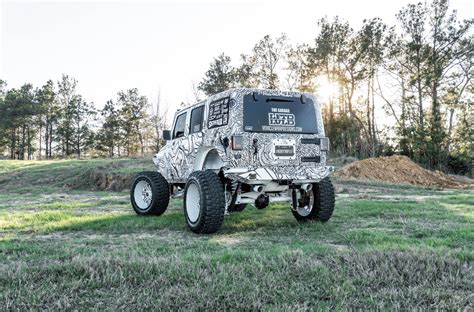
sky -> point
(157, 46)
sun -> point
(326, 90)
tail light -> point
(237, 142)
(324, 144)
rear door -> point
(283, 130)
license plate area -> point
(284, 149)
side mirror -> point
(166, 135)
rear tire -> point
(150, 194)
(204, 202)
(323, 203)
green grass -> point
(386, 247)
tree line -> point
(54, 121)
(416, 74)
(405, 88)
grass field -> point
(386, 247)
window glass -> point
(196, 119)
(179, 126)
(218, 113)
(264, 113)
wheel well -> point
(212, 161)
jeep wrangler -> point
(240, 147)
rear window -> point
(279, 114)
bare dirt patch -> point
(399, 169)
(101, 179)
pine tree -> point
(110, 135)
(48, 116)
(67, 103)
(134, 118)
(219, 77)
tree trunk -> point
(46, 140)
(450, 128)
(403, 116)
(369, 123)
(67, 144)
(78, 146)
(374, 133)
(420, 93)
(12, 144)
(50, 140)
(420, 106)
(331, 104)
(28, 143)
(78, 138)
(23, 142)
(436, 128)
(350, 95)
(140, 138)
(40, 143)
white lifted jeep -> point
(239, 147)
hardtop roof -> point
(229, 92)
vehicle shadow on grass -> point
(250, 220)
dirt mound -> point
(399, 169)
(100, 180)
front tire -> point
(204, 202)
(317, 204)
(150, 194)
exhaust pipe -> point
(258, 188)
(307, 187)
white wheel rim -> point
(193, 202)
(143, 195)
(306, 210)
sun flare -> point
(326, 89)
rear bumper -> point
(301, 174)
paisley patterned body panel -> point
(180, 157)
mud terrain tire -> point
(204, 202)
(323, 204)
(150, 193)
